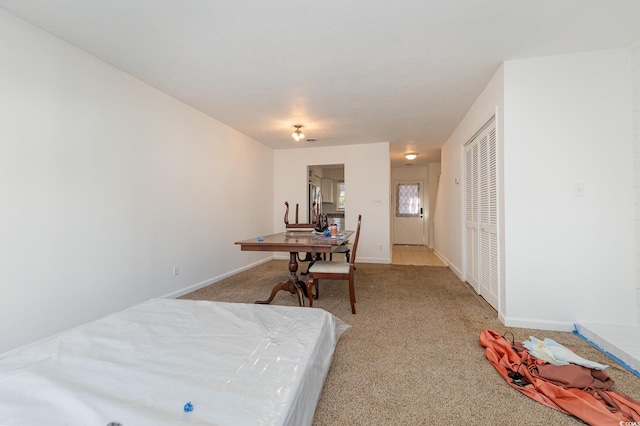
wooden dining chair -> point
(343, 248)
(327, 270)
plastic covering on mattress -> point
(236, 364)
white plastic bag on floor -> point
(554, 353)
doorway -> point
(326, 185)
(415, 255)
(409, 218)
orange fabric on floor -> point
(593, 406)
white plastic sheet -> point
(556, 354)
(237, 364)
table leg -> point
(292, 285)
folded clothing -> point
(554, 353)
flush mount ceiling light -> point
(410, 156)
(298, 135)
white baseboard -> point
(210, 281)
(537, 324)
(380, 260)
(447, 262)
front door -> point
(408, 219)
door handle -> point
(421, 212)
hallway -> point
(414, 255)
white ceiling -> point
(359, 71)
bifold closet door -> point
(482, 214)
(472, 214)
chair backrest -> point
(297, 226)
(355, 242)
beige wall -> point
(366, 176)
(448, 224)
(636, 145)
(107, 184)
(434, 180)
(562, 121)
(568, 121)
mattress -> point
(172, 362)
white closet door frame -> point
(481, 214)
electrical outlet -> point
(176, 270)
(380, 247)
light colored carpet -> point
(412, 355)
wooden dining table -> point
(293, 242)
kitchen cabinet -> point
(327, 189)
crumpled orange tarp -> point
(595, 404)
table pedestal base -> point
(293, 285)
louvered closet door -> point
(482, 226)
(488, 220)
(472, 219)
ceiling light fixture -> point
(411, 156)
(298, 135)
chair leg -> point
(352, 295)
(309, 291)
